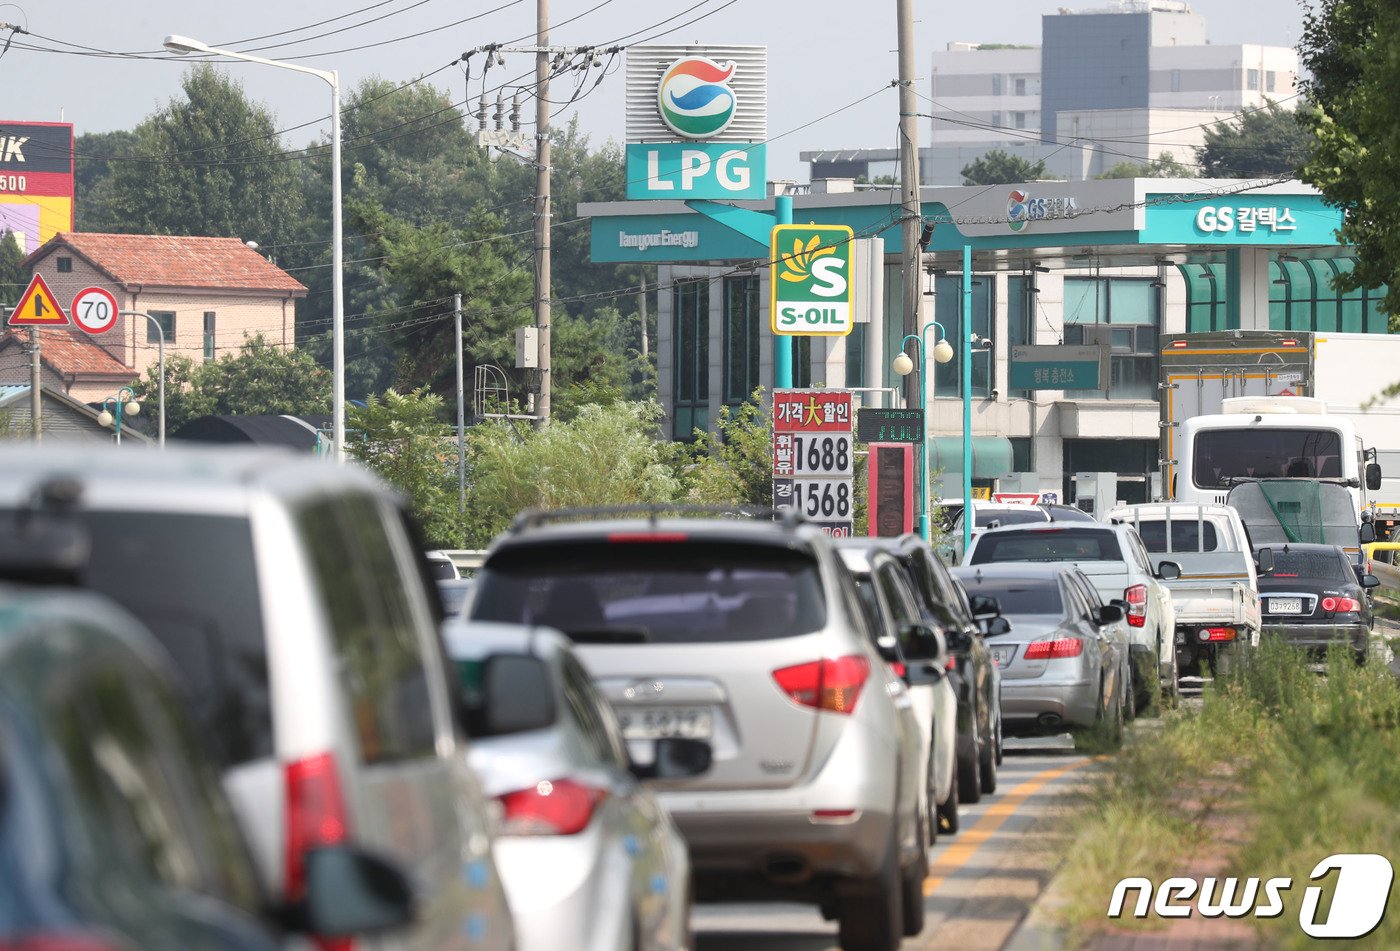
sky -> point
(823, 55)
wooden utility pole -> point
(543, 208)
(36, 386)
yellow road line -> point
(968, 841)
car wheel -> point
(934, 806)
(948, 821)
(969, 772)
(871, 914)
(1128, 694)
(911, 887)
(987, 765)
(1001, 746)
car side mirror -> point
(349, 893)
(923, 645)
(1264, 561)
(1370, 581)
(504, 694)
(984, 607)
(996, 626)
(1168, 571)
(1368, 533)
(1109, 613)
(1373, 476)
(676, 757)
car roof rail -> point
(789, 518)
(40, 542)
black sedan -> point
(1310, 597)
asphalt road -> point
(981, 882)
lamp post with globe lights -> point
(903, 365)
(125, 402)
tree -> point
(596, 361)
(95, 154)
(261, 378)
(605, 455)
(1164, 165)
(1350, 47)
(1263, 143)
(1000, 168)
(402, 437)
(208, 164)
(14, 278)
(734, 466)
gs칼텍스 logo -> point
(1017, 210)
(694, 97)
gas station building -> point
(1115, 262)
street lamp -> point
(904, 365)
(185, 44)
(160, 331)
(125, 400)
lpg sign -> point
(697, 120)
(811, 280)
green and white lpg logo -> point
(811, 280)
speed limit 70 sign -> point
(94, 310)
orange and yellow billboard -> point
(36, 180)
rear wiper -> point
(609, 635)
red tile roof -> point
(74, 353)
(175, 261)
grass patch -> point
(1293, 765)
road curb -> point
(1039, 930)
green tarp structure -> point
(991, 456)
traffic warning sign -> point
(38, 307)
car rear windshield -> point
(1021, 595)
(1012, 515)
(666, 592)
(192, 581)
(1186, 535)
(1323, 565)
(1055, 544)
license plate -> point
(1285, 605)
(1001, 656)
(654, 723)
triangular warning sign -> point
(1286, 392)
(38, 307)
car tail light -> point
(899, 669)
(952, 663)
(315, 817)
(1340, 605)
(1050, 650)
(1216, 634)
(1136, 596)
(832, 684)
(54, 941)
(550, 807)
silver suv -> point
(301, 621)
(751, 635)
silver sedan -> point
(1060, 650)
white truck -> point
(1255, 404)
(1216, 594)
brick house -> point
(208, 294)
(69, 362)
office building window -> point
(741, 335)
(1269, 80)
(855, 356)
(1022, 459)
(1124, 313)
(65, 265)
(166, 320)
(691, 386)
(996, 120)
(1251, 79)
(1018, 119)
(1020, 87)
(1176, 80)
(1020, 318)
(996, 85)
(947, 379)
(802, 362)
(208, 335)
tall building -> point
(1124, 83)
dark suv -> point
(750, 635)
(971, 670)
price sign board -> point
(814, 456)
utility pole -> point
(461, 414)
(36, 386)
(543, 209)
(909, 189)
